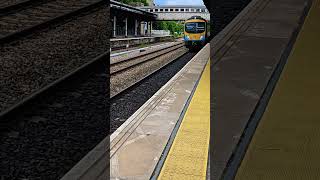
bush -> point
(173, 26)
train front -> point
(195, 33)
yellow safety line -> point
(188, 155)
(286, 144)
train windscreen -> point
(195, 27)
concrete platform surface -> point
(135, 49)
(123, 43)
(286, 143)
(242, 66)
(123, 56)
(136, 38)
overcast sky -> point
(178, 2)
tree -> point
(172, 26)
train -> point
(195, 32)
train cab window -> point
(201, 27)
(195, 27)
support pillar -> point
(126, 30)
(150, 28)
(136, 28)
(145, 28)
(114, 26)
(141, 28)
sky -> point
(178, 2)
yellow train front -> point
(195, 32)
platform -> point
(123, 43)
(148, 142)
(139, 146)
(286, 143)
(138, 52)
(244, 57)
(168, 137)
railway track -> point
(55, 127)
(34, 111)
(6, 6)
(124, 65)
(31, 62)
(53, 85)
(25, 17)
(120, 68)
(76, 75)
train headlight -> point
(201, 38)
(186, 38)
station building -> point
(129, 21)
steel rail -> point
(163, 52)
(114, 96)
(26, 31)
(141, 55)
(74, 76)
(16, 6)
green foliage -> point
(134, 1)
(142, 45)
(173, 26)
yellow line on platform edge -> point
(188, 155)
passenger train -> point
(195, 32)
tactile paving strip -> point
(188, 155)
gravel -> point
(5, 3)
(121, 81)
(125, 104)
(38, 13)
(53, 134)
(123, 65)
(31, 63)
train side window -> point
(156, 10)
(171, 10)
